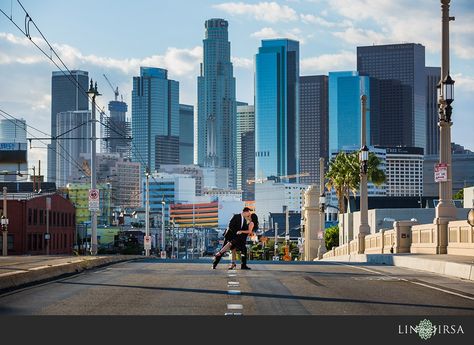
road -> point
(157, 287)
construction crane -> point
(116, 91)
(260, 180)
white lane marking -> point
(233, 314)
(235, 306)
(233, 292)
(233, 283)
(409, 281)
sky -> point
(116, 37)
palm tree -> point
(344, 175)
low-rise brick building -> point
(27, 224)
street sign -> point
(147, 242)
(94, 201)
(163, 254)
(441, 172)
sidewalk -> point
(449, 265)
(18, 271)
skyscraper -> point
(117, 130)
(216, 114)
(247, 162)
(186, 134)
(401, 68)
(345, 91)
(68, 169)
(277, 108)
(13, 131)
(155, 118)
(313, 125)
(68, 93)
(245, 123)
(433, 75)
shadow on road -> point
(278, 296)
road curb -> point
(41, 274)
(447, 268)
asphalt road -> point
(157, 287)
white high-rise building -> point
(404, 170)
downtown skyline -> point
(328, 39)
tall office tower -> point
(155, 119)
(117, 130)
(68, 93)
(245, 123)
(402, 92)
(216, 113)
(277, 109)
(68, 166)
(345, 91)
(313, 126)
(186, 134)
(433, 75)
(248, 165)
(13, 131)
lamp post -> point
(364, 228)
(4, 224)
(445, 210)
(322, 204)
(94, 93)
(163, 252)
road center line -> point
(409, 281)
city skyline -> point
(329, 33)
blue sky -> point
(117, 37)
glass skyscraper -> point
(400, 68)
(68, 93)
(277, 108)
(433, 75)
(216, 112)
(117, 131)
(155, 118)
(186, 134)
(313, 125)
(345, 91)
(245, 124)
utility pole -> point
(94, 93)
(147, 209)
(275, 247)
(163, 251)
(5, 224)
(48, 210)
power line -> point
(28, 20)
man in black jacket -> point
(237, 223)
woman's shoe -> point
(232, 266)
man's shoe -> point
(232, 266)
(245, 268)
(217, 258)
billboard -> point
(13, 153)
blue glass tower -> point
(277, 108)
(216, 113)
(155, 118)
(345, 90)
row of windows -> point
(36, 241)
(39, 216)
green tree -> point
(331, 237)
(344, 175)
(459, 195)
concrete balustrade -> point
(460, 238)
(424, 238)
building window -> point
(30, 216)
(35, 217)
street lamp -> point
(364, 158)
(447, 88)
(4, 234)
(322, 202)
